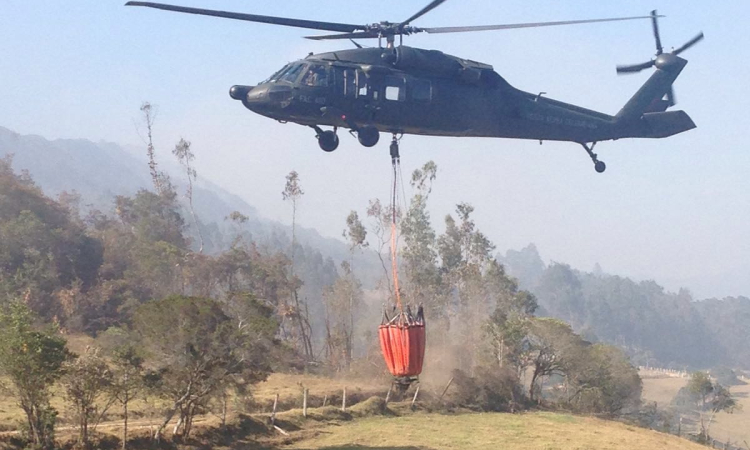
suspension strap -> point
(395, 162)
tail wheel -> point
(328, 141)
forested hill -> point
(655, 326)
(98, 172)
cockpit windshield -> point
(292, 74)
(312, 74)
(276, 74)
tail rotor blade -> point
(671, 99)
(689, 44)
(634, 68)
(657, 37)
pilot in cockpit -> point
(315, 76)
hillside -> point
(99, 172)
(655, 326)
(490, 431)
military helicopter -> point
(405, 90)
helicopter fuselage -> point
(424, 92)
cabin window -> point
(394, 89)
(292, 74)
(315, 75)
(421, 90)
(362, 87)
(346, 82)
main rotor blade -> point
(355, 35)
(434, 4)
(689, 44)
(657, 37)
(635, 67)
(524, 25)
(312, 24)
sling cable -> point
(402, 337)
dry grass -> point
(537, 431)
(289, 388)
(734, 427)
(662, 390)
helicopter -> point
(405, 90)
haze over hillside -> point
(655, 326)
(99, 172)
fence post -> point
(343, 401)
(273, 413)
(446, 388)
(304, 402)
(415, 396)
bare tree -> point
(293, 192)
(185, 156)
(149, 116)
(161, 181)
(356, 235)
(381, 222)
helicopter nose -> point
(239, 92)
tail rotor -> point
(659, 59)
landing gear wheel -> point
(599, 166)
(368, 136)
(328, 141)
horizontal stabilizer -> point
(665, 124)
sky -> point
(675, 210)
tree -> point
(127, 370)
(419, 252)
(355, 233)
(381, 222)
(31, 360)
(185, 156)
(197, 349)
(86, 380)
(700, 387)
(293, 192)
(601, 379)
(159, 179)
(549, 346)
(708, 397)
(45, 248)
(471, 275)
(342, 299)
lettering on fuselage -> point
(554, 120)
(314, 100)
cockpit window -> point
(292, 74)
(276, 75)
(315, 75)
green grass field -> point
(533, 431)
